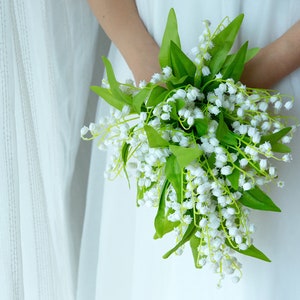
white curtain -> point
(48, 54)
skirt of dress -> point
(130, 264)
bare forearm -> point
(121, 22)
(275, 61)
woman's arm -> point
(274, 61)
(121, 22)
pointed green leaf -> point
(194, 244)
(212, 160)
(173, 113)
(173, 173)
(186, 237)
(156, 96)
(139, 193)
(257, 199)
(235, 69)
(139, 99)
(275, 137)
(170, 34)
(106, 95)
(126, 148)
(114, 84)
(223, 134)
(201, 126)
(251, 53)
(125, 151)
(280, 148)
(223, 42)
(180, 103)
(254, 252)
(161, 223)
(185, 155)
(175, 82)
(154, 138)
(251, 251)
(181, 64)
(234, 178)
(176, 106)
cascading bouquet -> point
(200, 142)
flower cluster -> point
(201, 144)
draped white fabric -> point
(47, 57)
(129, 264)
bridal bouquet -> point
(200, 143)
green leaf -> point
(251, 53)
(184, 155)
(124, 153)
(280, 148)
(198, 78)
(254, 252)
(194, 244)
(275, 137)
(114, 84)
(106, 94)
(223, 134)
(157, 95)
(257, 199)
(139, 99)
(223, 42)
(201, 126)
(180, 103)
(175, 82)
(173, 113)
(236, 67)
(139, 193)
(186, 237)
(173, 173)
(176, 106)
(170, 34)
(234, 178)
(251, 251)
(212, 160)
(161, 223)
(126, 148)
(181, 64)
(154, 138)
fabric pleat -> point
(48, 56)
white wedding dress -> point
(47, 57)
(130, 264)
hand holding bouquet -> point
(201, 144)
